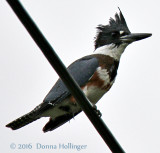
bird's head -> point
(117, 33)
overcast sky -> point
(131, 109)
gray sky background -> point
(130, 109)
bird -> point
(94, 73)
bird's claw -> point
(96, 110)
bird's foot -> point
(96, 110)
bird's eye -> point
(115, 34)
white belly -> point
(93, 93)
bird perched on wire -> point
(94, 73)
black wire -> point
(65, 76)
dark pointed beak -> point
(135, 37)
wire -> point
(59, 67)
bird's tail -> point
(23, 120)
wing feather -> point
(81, 70)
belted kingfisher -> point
(94, 73)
